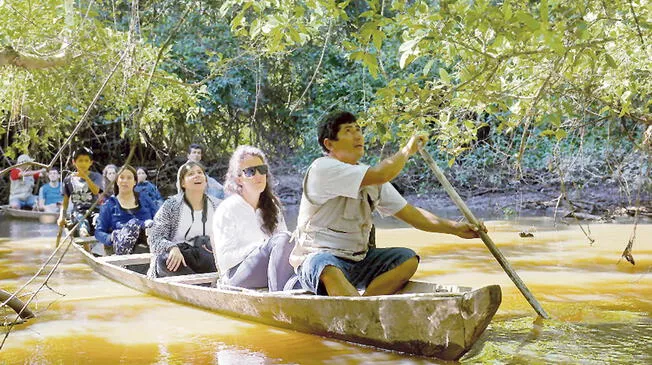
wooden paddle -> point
(485, 237)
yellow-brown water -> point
(601, 307)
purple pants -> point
(266, 266)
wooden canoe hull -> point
(28, 214)
(425, 319)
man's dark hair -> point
(82, 151)
(195, 146)
(330, 126)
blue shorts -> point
(23, 203)
(360, 273)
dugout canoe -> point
(29, 214)
(424, 319)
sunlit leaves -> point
(610, 61)
(281, 24)
(527, 19)
(546, 61)
(409, 51)
(54, 99)
(444, 76)
(368, 59)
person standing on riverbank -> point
(335, 251)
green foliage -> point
(527, 62)
(40, 107)
(241, 71)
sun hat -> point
(24, 158)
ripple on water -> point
(520, 341)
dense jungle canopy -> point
(520, 87)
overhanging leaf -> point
(443, 75)
(610, 61)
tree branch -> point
(526, 132)
(638, 27)
(644, 119)
(88, 110)
(9, 56)
(314, 74)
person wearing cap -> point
(22, 180)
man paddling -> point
(335, 251)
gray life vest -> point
(21, 188)
(341, 226)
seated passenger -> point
(252, 247)
(22, 182)
(50, 195)
(124, 216)
(214, 188)
(145, 187)
(81, 188)
(108, 177)
(180, 238)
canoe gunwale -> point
(26, 214)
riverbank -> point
(600, 203)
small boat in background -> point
(43, 217)
(424, 319)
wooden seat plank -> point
(139, 258)
(210, 277)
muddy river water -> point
(601, 305)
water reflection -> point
(25, 228)
(601, 307)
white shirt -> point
(329, 178)
(237, 230)
(334, 215)
(196, 228)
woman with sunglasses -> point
(180, 238)
(252, 245)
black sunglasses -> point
(251, 171)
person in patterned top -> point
(81, 188)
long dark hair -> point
(269, 204)
(109, 186)
(119, 171)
